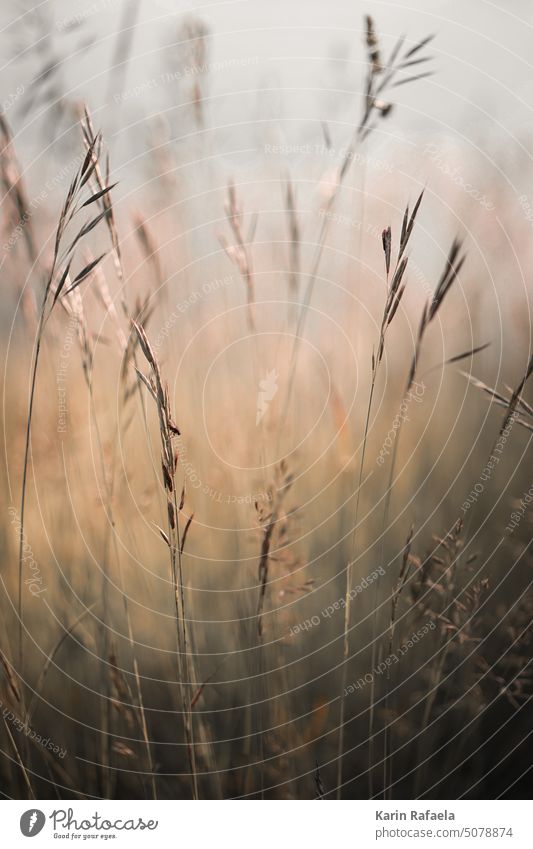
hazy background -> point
(304, 64)
(284, 74)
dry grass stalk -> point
(400, 585)
(381, 78)
(272, 526)
(149, 247)
(269, 525)
(19, 758)
(58, 284)
(13, 184)
(240, 252)
(515, 405)
(173, 538)
(10, 677)
(194, 34)
(453, 266)
(395, 290)
(21, 217)
(440, 592)
(320, 789)
(103, 191)
(403, 577)
(295, 237)
(74, 306)
(50, 658)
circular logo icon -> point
(32, 822)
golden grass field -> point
(268, 532)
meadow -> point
(266, 520)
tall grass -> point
(216, 590)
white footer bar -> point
(268, 825)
